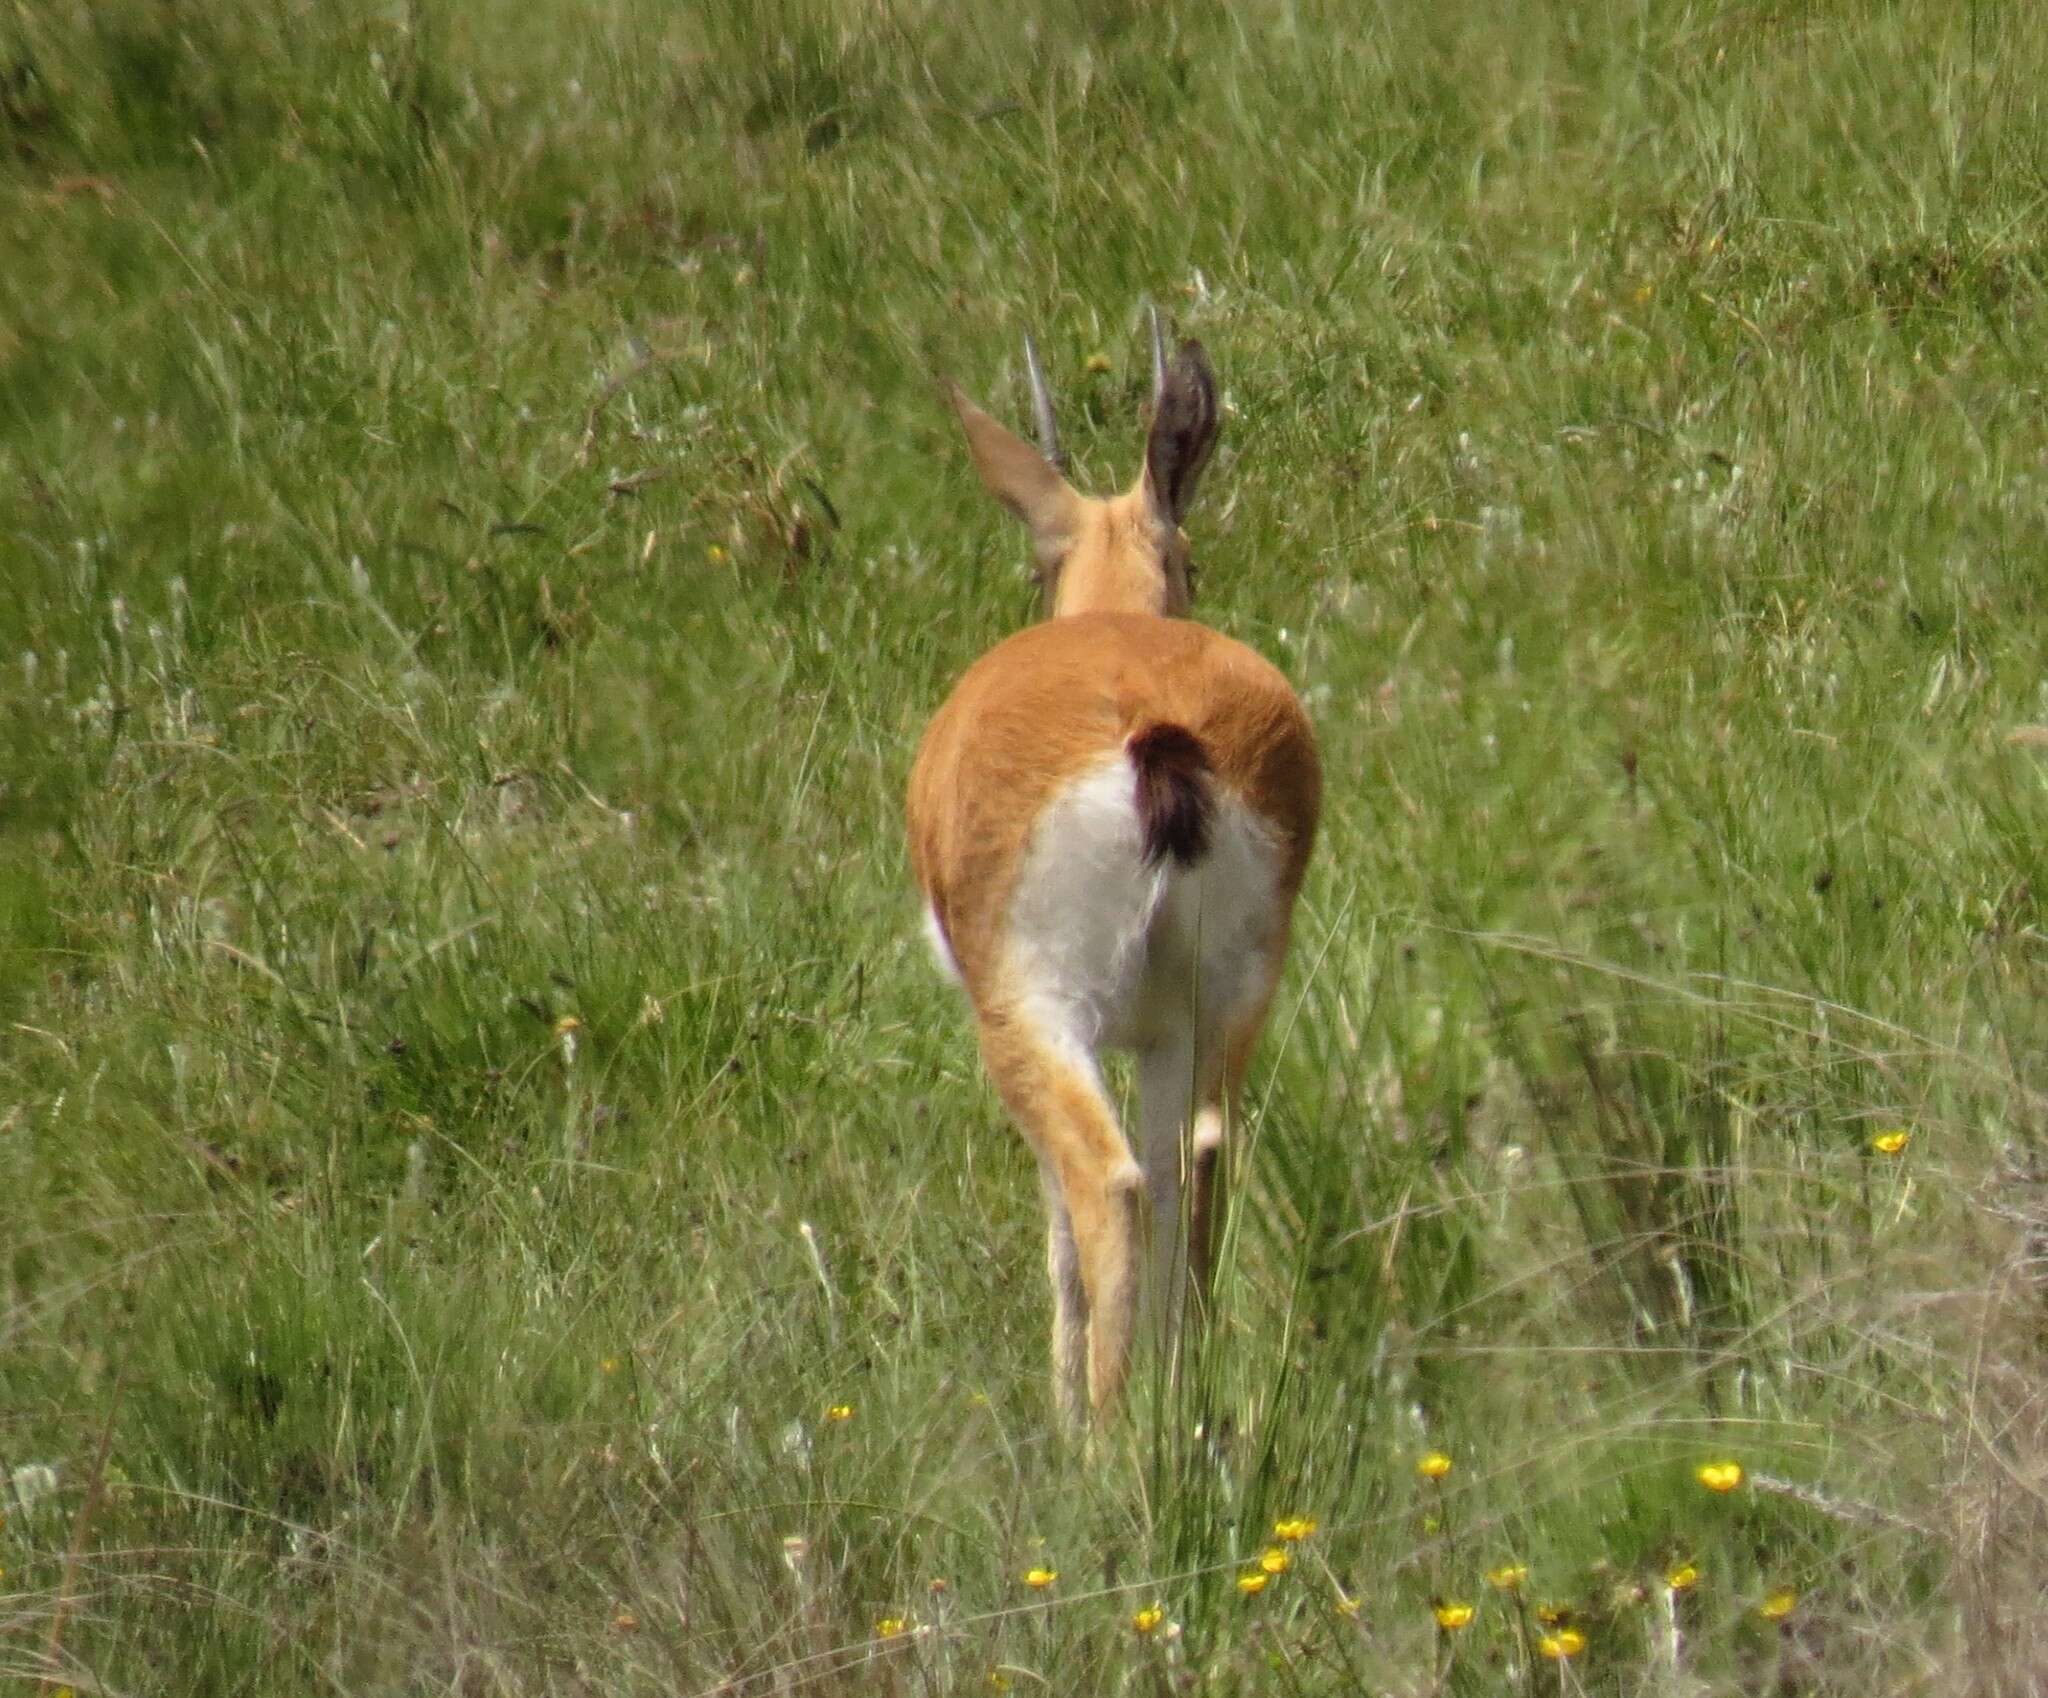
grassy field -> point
(494, 1199)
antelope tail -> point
(1175, 805)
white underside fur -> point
(935, 935)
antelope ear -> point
(1021, 478)
(1183, 434)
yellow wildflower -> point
(1434, 1466)
(1253, 1581)
(892, 1627)
(1683, 1578)
(1565, 1642)
(1551, 1615)
(1347, 1605)
(840, 1412)
(1779, 1604)
(1096, 364)
(1508, 1577)
(714, 554)
(1719, 1476)
(1451, 1617)
(1892, 1142)
(998, 1681)
(1275, 1560)
(1147, 1619)
(1040, 1578)
(610, 1365)
(1294, 1527)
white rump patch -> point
(1112, 952)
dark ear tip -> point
(1191, 363)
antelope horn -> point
(1041, 408)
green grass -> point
(478, 541)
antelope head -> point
(1106, 554)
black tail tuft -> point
(1174, 804)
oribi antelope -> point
(1109, 819)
